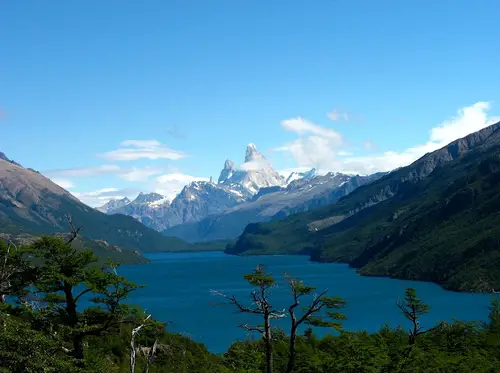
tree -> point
(412, 308)
(15, 270)
(310, 315)
(65, 277)
(261, 305)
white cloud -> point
(130, 174)
(141, 174)
(63, 183)
(318, 150)
(321, 150)
(171, 184)
(338, 115)
(84, 171)
(100, 197)
(303, 126)
(132, 150)
(255, 165)
(468, 120)
(343, 153)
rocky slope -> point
(272, 203)
(200, 199)
(31, 204)
(435, 220)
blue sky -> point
(112, 97)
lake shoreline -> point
(177, 291)
(443, 285)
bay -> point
(178, 290)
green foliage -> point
(443, 227)
(15, 270)
(65, 276)
(260, 278)
(43, 336)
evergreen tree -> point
(261, 305)
(65, 277)
(413, 308)
(311, 314)
(15, 270)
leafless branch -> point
(73, 231)
(135, 331)
(150, 356)
(250, 328)
(232, 300)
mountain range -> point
(200, 199)
(252, 192)
(437, 219)
(31, 205)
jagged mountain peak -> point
(253, 174)
(113, 204)
(252, 154)
(229, 164)
(149, 198)
(227, 171)
(301, 175)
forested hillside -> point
(435, 220)
(46, 326)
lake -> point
(178, 291)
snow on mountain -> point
(199, 199)
(301, 175)
(113, 205)
(255, 173)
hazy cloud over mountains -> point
(131, 150)
(316, 146)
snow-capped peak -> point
(148, 198)
(252, 154)
(301, 175)
(255, 173)
(227, 171)
(113, 204)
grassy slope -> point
(444, 228)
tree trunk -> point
(268, 343)
(77, 338)
(78, 346)
(291, 348)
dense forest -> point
(434, 220)
(46, 327)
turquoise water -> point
(178, 292)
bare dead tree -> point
(14, 270)
(261, 305)
(135, 331)
(150, 356)
(73, 231)
(6, 273)
(310, 314)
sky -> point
(110, 98)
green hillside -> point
(32, 205)
(442, 226)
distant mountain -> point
(31, 204)
(272, 203)
(113, 205)
(255, 173)
(200, 199)
(301, 175)
(434, 220)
